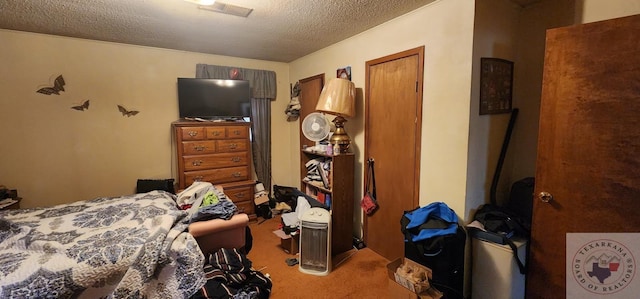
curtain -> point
(263, 91)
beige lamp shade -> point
(338, 98)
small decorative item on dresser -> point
(9, 198)
(10, 203)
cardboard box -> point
(261, 198)
(397, 291)
(400, 287)
(287, 242)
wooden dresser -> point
(216, 152)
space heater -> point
(315, 242)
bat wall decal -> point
(58, 86)
(82, 107)
(126, 112)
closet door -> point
(310, 89)
(393, 121)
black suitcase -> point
(520, 201)
(444, 255)
(447, 264)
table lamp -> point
(338, 98)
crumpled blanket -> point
(223, 209)
(229, 275)
(205, 202)
(127, 247)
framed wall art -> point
(496, 85)
(344, 73)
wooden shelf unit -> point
(341, 178)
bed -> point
(134, 246)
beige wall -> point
(494, 36)
(588, 11)
(445, 28)
(505, 30)
(53, 154)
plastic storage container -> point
(495, 274)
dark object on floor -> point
(230, 275)
(248, 240)
(358, 243)
(440, 246)
(289, 195)
(291, 261)
(264, 211)
(147, 185)
(520, 200)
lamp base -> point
(340, 136)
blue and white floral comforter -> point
(127, 247)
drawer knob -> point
(198, 178)
(236, 132)
(193, 133)
(216, 133)
(196, 163)
(233, 146)
(239, 195)
(235, 159)
(199, 148)
(236, 175)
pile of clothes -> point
(296, 203)
(205, 202)
(230, 275)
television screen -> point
(214, 98)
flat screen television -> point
(214, 98)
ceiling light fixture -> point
(228, 9)
(202, 2)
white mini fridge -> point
(495, 274)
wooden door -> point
(588, 146)
(310, 89)
(393, 120)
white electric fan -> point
(316, 127)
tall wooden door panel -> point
(392, 138)
(310, 89)
(588, 147)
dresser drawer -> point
(192, 133)
(202, 162)
(232, 145)
(239, 194)
(198, 147)
(216, 133)
(246, 207)
(237, 131)
(222, 175)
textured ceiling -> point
(276, 30)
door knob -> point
(545, 196)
